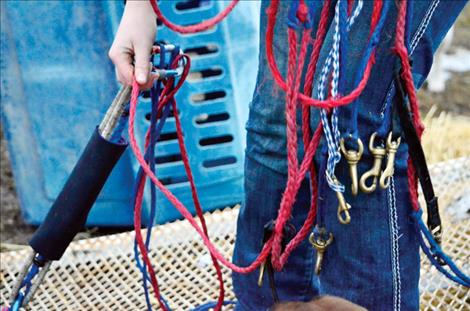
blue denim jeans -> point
(374, 260)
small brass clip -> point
(320, 245)
(353, 157)
(374, 172)
(343, 209)
(392, 148)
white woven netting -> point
(100, 273)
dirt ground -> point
(455, 99)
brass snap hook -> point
(378, 154)
(320, 245)
(343, 209)
(352, 157)
(392, 148)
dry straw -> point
(446, 136)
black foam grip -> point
(69, 212)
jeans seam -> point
(424, 25)
(414, 43)
(395, 248)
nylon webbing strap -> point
(419, 160)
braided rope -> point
(296, 173)
(271, 12)
(332, 133)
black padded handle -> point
(69, 212)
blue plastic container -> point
(57, 81)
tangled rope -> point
(296, 173)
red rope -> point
(178, 205)
(311, 69)
(308, 87)
(293, 83)
(141, 244)
(281, 259)
(350, 6)
(375, 17)
(193, 28)
(304, 99)
(197, 203)
(296, 174)
(407, 76)
(138, 205)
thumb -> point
(142, 59)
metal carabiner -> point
(352, 157)
(378, 153)
(392, 148)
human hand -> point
(132, 46)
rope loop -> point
(205, 25)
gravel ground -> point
(14, 231)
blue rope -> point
(332, 133)
(355, 14)
(434, 250)
(212, 304)
(27, 284)
(352, 132)
(343, 45)
(322, 187)
(331, 130)
(156, 127)
(140, 173)
(18, 302)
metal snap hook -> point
(343, 209)
(378, 153)
(392, 148)
(320, 244)
(352, 157)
